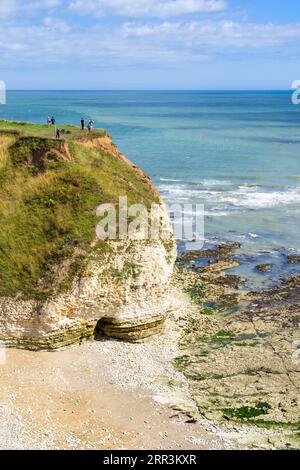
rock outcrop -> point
(60, 284)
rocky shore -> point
(238, 347)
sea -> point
(237, 153)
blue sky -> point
(149, 44)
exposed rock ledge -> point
(121, 289)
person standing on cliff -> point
(58, 134)
(90, 125)
(82, 124)
(53, 121)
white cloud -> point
(54, 41)
(142, 8)
(217, 34)
(36, 5)
(56, 25)
(8, 8)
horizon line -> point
(153, 90)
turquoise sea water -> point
(238, 153)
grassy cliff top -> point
(43, 130)
(28, 129)
(49, 192)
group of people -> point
(51, 122)
(90, 125)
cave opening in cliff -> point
(98, 333)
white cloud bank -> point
(11, 8)
(58, 37)
(143, 8)
(217, 34)
(55, 41)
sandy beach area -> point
(103, 395)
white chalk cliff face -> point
(123, 290)
(123, 296)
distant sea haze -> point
(238, 153)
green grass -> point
(44, 131)
(48, 207)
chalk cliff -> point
(59, 283)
